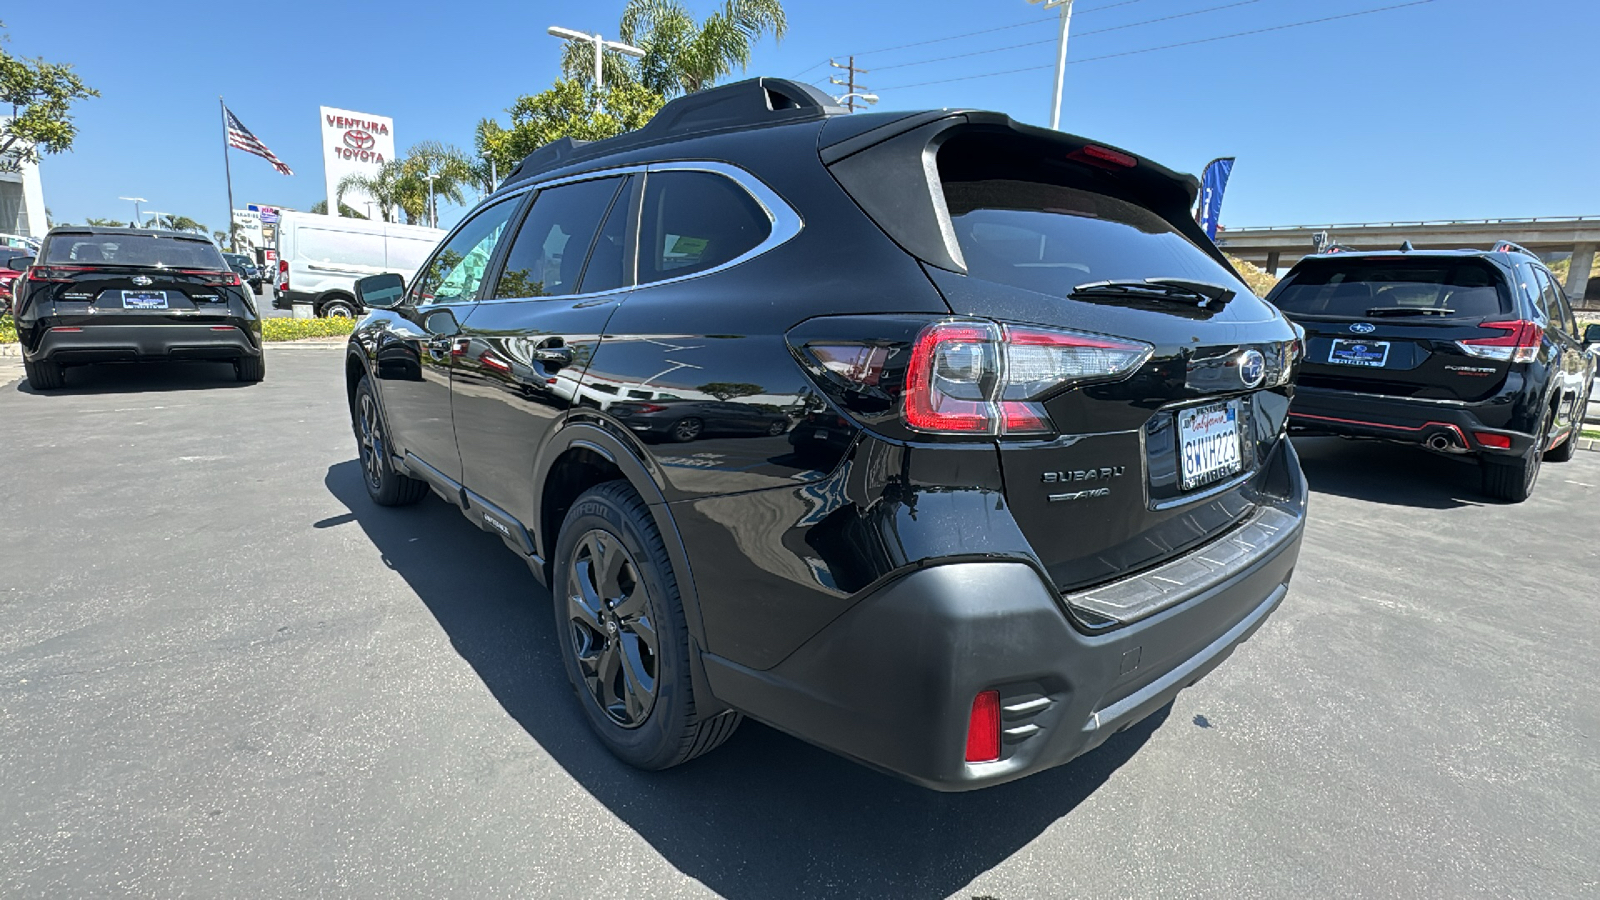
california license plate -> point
(1208, 443)
(1346, 352)
(144, 299)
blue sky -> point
(1445, 109)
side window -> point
(694, 221)
(1558, 297)
(546, 256)
(1554, 300)
(1532, 286)
(456, 270)
(610, 264)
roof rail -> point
(742, 104)
(1509, 247)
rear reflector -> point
(66, 330)
(983, 728)
(1497, 441)
(1517, 342)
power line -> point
(1223, 37)
(923, 62)
(956, 37)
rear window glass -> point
(134, 250)
(1358, 289)
(1051, 238)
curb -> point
(1589, 444)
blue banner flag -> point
(1212, 184)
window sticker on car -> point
(683, 251)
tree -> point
(384, 187)
(439, 170)
(40, 95)
(681, 55)
(728, 390)
(567, 109)
(103, 223)
(177, 223)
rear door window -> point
(134, 250)
(1459, 287)
(547, 255)
(695, 221)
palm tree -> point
(103, 223)
(386, 187)
(442, 171)
(681, 55)
(177, 223)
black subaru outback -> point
(130, 295)
(1022, 474)
(1466, 352)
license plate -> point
(1346, 352)
(144, 299)
(1208, 441)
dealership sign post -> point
(354, 142)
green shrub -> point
(285, 329)
(8, 330)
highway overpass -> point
(1281, 246)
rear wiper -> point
(1199, 293)
(1378, 311)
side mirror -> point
(380, 291)
(1591, 335)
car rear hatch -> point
(1425, 326)
(1154, 404)
(133, 279)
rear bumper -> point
(113, 343)
(1422, 422)
(891, 682)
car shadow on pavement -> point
(764, 815)
(138, 378)
(1393, 474)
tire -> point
(685, 430)
(43, 375)
(251, 369)
(338, 309)
(385, 486)
(1512, 479)
(777, 428)
(639, 701)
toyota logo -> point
(1252, 368)
(359, 140)
(1363, 327)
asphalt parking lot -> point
(223, 672)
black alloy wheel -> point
(685, 430)
(609, 625)
(385, 486)
(622, 633)
(777, 428)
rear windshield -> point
(1359, 289)
(134, 250)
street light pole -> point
(136, 202)
(601, 45)
(433, 215)
(1061, 55)
(868, 99)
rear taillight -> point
(976, 377)
(983, 728)
(214, 278)
(283, 275)
(56, 273)
(1517, 342)
(649, 408)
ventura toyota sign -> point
(353, 142)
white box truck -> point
(320, 258)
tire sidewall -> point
(655, 743)
(364, 389)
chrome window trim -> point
(784, 223)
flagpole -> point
(227, 169)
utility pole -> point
(1061, 55)
(851, 87)
(601, 45)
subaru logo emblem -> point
(141, 280)
(1363, 327)
(1252, 368)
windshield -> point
(133, 250)
(1051, 238)
(1459, 287)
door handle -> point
(555, 357)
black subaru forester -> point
(1023, 474)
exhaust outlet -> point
(1440, 443)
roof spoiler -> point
(743, 104)
(891, 172)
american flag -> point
(240, 137)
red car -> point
(10, 267)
